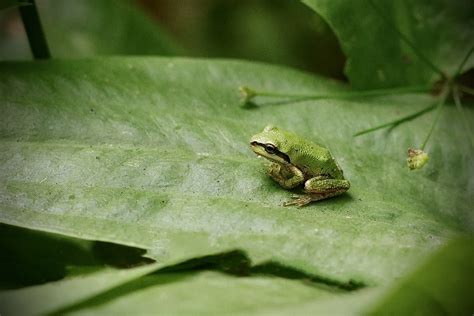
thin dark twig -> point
(34, 31)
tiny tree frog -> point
(296, 161)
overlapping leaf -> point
(369, 32)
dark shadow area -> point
(238, 264)
(467, 80)
(119, 256)
(249, 105)
(235, 263)
(29, 257)
(276, 269)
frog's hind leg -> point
(317, 189)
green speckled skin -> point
(297, 160)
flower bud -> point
(247, 93)
(417, 158)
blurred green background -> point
(276, 31)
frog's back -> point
(314, 158)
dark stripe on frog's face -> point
(269, 150)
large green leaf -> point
(441, 30)
(177, 292)
(153, 152)
(206, 293)
(42, 299)
(443, 285)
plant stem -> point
(34, 31)
(346, 95)
(439, 107)
(408, 41)
(466, 89)
(457, 101)
(461, 65)
(398, 121)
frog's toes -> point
(299, 201)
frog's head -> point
(272, 143)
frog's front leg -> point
(319, 188)
(288, 176)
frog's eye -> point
(271, 149)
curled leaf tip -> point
(247, 94)
(417, 158)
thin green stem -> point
(439, 108)
(457, 101)
(34, 31)
(408, 41)
(466, 89)
(347, 95)
(398, 121)
(464, 61)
